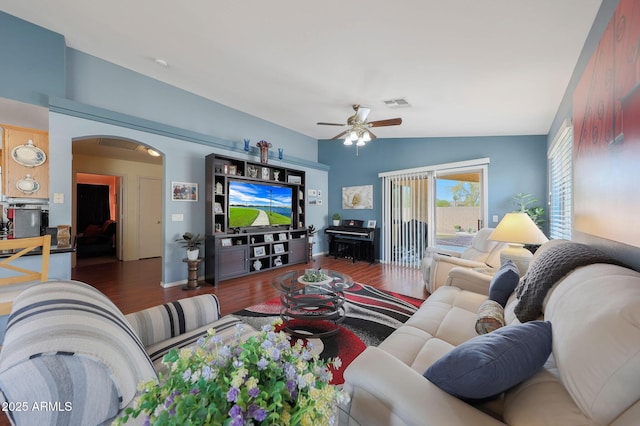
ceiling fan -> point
(359, 128)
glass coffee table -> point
(312, 295)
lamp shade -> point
(518, 228)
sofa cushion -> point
(490, 364)
(504, 282)
(159, 323)
(595, 313)
(50, 379)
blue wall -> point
(33, 62)
(518, 164)
(102, 99)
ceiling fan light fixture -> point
(354, 135)
(366, 137)
(360, 142)
(348, 141)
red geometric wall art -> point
(606, 126)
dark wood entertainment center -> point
(233, 252)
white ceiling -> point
(467, 67)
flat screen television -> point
(259, 204)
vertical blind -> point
(405, 217)
(561, 183)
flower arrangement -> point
(263, 380)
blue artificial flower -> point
(232, 395)
(262, 364)
(207, 372)
(254, 411)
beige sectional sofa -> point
(592, 376)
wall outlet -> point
(58, 198)
(495, 218)
(177, 217)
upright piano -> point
(353, 241)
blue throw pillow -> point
(487, 365)
(504, 282)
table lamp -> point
(517, 229)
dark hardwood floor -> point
(135, 285)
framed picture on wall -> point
(184, 191)
(371, 224)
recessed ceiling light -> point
(161, 62)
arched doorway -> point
(128, 166)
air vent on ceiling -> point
(118, 143)
(397, 103)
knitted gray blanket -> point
(553, 264)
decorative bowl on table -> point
(314, 277)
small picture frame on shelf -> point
(294, 179)
(268, 238)
(233, 170)
(259, 251)
(282, 236)
(265, 173)
(226, 242)
(217, 208)
(278, 248)
(371, 224)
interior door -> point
(150, 238)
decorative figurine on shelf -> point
(257, 265)
(278, 261)
(264, 151)
(280, 152)
(218, 188)
(246, 145)
(276, 175)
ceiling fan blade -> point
(388, 122)
(362, 113)
(339, 135)
(330, 124)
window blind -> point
(560, 157)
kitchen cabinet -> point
(25, 162)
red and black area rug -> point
(371, 315)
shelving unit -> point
(232, 252)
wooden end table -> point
(192, 275)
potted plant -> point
(336, 219)
(192, 243)
(265, 379)
(311, 232)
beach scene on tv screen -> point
(254, 204)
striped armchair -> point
(67, 346)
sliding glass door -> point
(431, 206)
